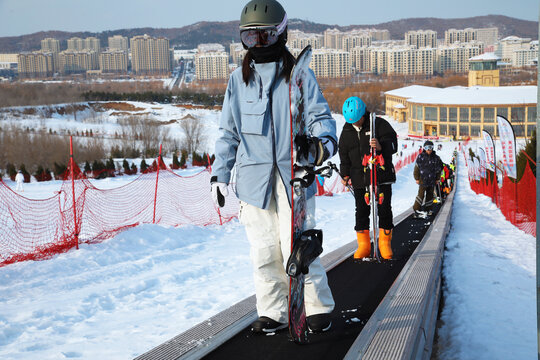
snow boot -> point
(266, 325)
(319, 323)
(385, 243)
(364, 244)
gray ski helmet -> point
(262, 13)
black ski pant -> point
(363, 210)
(425, 196)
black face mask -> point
(270, 53)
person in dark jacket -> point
(426, 173)
(354, 144)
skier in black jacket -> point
(426, 173)
(354, 145)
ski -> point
(298, 327)
(374, 198)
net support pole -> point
(157, 181)
(72, 167)
(209, 168)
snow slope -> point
(120, 298)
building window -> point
(531, 114)
(443, 130)
(476, 115)
(530, 130)
(443, 114)
(463, 115)
(452, 114)
(490, 129)
(502, 111)
(463, 130)
(519, 129)
(518, 115)
(452, 130)
(419, 112)
(431, 113)
(413, 116)
(489, 114)
(475, 130)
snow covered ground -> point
(120, 298)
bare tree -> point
(194, 137)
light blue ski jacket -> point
(258, 140)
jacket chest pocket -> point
(253, 114)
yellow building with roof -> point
(460, 112)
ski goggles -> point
(428, 147)
(263, 36)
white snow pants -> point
(269, 235)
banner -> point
(508, 145)
(490, 150)
(476, 169)
(483, 162)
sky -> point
(21, 17)
(116, 299)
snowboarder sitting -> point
(426, 173)
(255, 134)
(354, 144)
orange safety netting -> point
(38, 229)
(516, 200)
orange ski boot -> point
(364, 244)
(385, 243)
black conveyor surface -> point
(358, 288)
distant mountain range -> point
(190, 36)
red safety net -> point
(516, 200)
(38, 229)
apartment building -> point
(77, 62)
(297, 39)
(36, 64)
(379, 35)
(50, 45)
(355, 38)
(118, 42)
(421, 38)
(212, 65)
(464, 35)
(78, 44)
(150, 56)
(455, 57)
(237, 53)
(113, 61)
(488, 36)
(526, 57)
(507, 46)
(332, 39)
(360, 59)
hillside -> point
(190, 36)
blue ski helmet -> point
(353, 109)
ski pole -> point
(334, 167)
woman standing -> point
(255, 135)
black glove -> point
(313, 151)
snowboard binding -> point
(306, 249)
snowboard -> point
(298, 327)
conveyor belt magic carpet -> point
(358, 288)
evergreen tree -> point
(143, 166)
(522, 159)
(125, 166)
(87, 168)
(175, 162)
